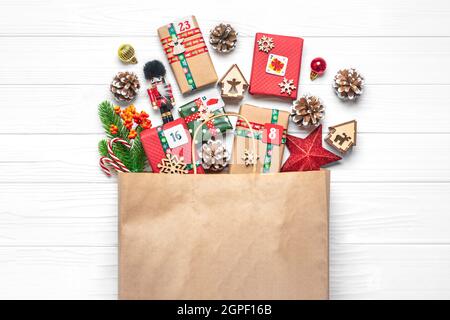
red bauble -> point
(318, 67)
(307, 154)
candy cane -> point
(107, 161)
(114, 161)
(114, 157)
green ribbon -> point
(184, 64)
(268, 157)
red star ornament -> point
(307, 154)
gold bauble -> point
(126, 54)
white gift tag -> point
(212, 103)
(276, 65)
(176, 136)
(184, 24)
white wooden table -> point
(390, 211)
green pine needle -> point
(103, 148)
(137, 154)
(109, 117)
(134, 158)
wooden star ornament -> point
(307, 154)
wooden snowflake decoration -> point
(249, 158)
(287, 86)
(265, 44)
(172, 164)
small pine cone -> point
(348, 84)
(214, 155)
(223, 38)
(307, 111)
(125, 86)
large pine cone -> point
(223, 38)
(307, 111)
(348, 84)
(125, 86)
(215, 156)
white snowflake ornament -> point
(287, 86)
(172, 165)
(265, 44)
(250, 159)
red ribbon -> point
(255, 126)
(183, 35)
(187, 44)
(189, 54)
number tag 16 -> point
(176, 136)
(272, 133)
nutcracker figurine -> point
(160, 92)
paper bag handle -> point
(230, 114)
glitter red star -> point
(307, 154)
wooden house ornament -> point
(342, 136)
(233, 84)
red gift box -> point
(276, 65)
(172, 137)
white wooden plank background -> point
(389, 219)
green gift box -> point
(200, 109)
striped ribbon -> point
(187, 44)
(182, 35)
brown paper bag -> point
(237, 236)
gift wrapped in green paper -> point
(202, 108)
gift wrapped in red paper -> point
(276, 65)
(169, 148)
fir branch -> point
(109, 117)
(137, 154)
(103, 148)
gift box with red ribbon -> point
(188, 55)
(169, 148)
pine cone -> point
(348, 84)
(223, 38)
(307, 111)
(215, 156)
(125, 86)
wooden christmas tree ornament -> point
(233, 84)
(342, 136)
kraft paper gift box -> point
(270, 128)
(188, 55)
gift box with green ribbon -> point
(202, 108)
(187, 53)
(269, 129)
